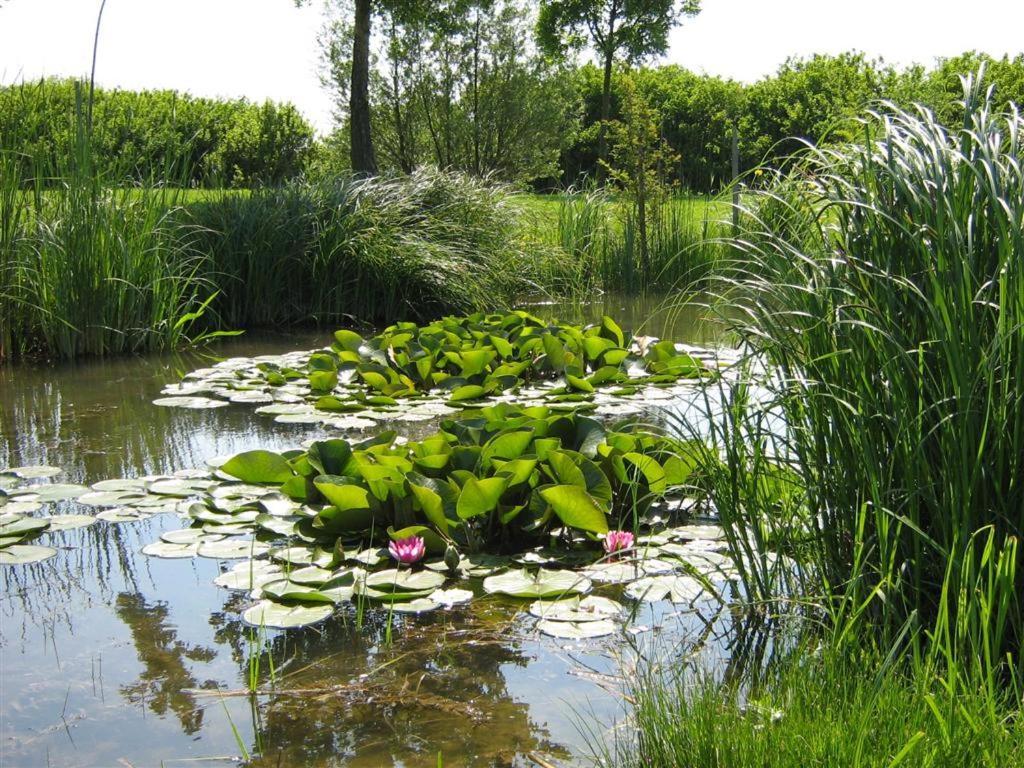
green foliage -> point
(501, 478)
(147, 135)
(886, 292)
(374, 249)
(457, 88)
(808, 100)
(845, 712)
(633, 31)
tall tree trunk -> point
(606, 92)
(364, 161)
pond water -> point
(108, 657)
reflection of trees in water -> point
(165, 680)
(49, 593)
(341, 693)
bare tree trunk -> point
(364, 161)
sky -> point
(267, 49)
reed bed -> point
(877, 447)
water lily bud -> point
(452, 558)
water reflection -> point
(166, 681)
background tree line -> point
(161, 134)
(469, 90)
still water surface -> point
(111, 658)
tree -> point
(633, 29)
(364, 159)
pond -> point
(110, 657)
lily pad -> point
(395, 580)
(122, 515)
(194, 403)
(677, 589)
(168, 550)
(419, 605)
(233, 549)
(249, 575)
(57, 491)
(23, 554)
(541, 584)
(449, 597)
(267, 613)
(32, 472)
(577, 630)
(68, 522)
(189, 536)
(590, 608)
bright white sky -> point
(267, 48)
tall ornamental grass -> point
(409, 247)
(884, 295)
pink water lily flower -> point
(408, 551)
(617, 541)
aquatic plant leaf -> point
(479, 497)
(348, 340)
(232, 549)
(258, 467)
(195, 403)
(419, 605)
(122, 515)
(576, 609)
(23, 554)
(33, 472)
(249, 575)
(576, 508)
(66, 522)
(404, 580)
(449, 597)
(14, 525)
(541, 584)
(168, 550)
(267, 613)
(577, 630)
(466, 392)
(677, 589)
(56, 491)
(189, 536)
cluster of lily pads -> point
(434, 369)
(532, 500)
(27, 490)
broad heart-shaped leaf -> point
(649, 468)
(479, 497)
(576, 508)
(267, 613)
(258, 467)
(611, 331)
(507, 445)
(348, 340)
(467, 392)
(22, 554)
(323, 381)
(542, 584)
(342, 493)
(432, 504)
(330, 457)
(475, 361)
